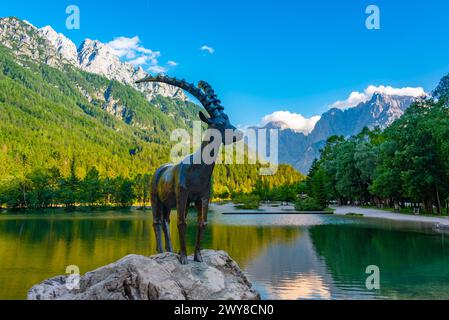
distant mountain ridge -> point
(68, 111)
(47, 46)
(157, 116)
(299, 150)
(53, 109)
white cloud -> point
(358, 97)
(157, 69)
(407, 91)
(132, 51)
(207, 49)
(148, 51)
(293, 121)
(123, 46)
(142, 60)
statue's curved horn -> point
(204, 93)
(213, 101)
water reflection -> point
(290, 271)
(412, 264)
(285, 256)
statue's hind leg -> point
(182, 206)
(202, 207)
(166, 228)
(157, 223)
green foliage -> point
(407, 162)
(143, 188)
(245, 178)
(308, 204)
(46, 121)
(245, 201)
(50, 117)
(414, 157)
(44, 188)
(90, 188)
(124, 193)
(318, 189)
(283, 186)
(441, 92)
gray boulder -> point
(159, 277)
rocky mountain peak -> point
(47, 46)
(385, 109)
(275, 125)
(300, 150)
(25, 40)
(96, 57)
(64, 46)
(16, 22)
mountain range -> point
(99, 79)
(45, 45)
(300, 150)
(63, 107)
(58, 102)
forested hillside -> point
(407, 164)
(66, 133)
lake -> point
(284, 256)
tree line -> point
(50, 117)
(46, 188)
(406, 165)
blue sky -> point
(300, 56)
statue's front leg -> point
(166, 229)
(202, 207)
(182, 225)
(157, 223)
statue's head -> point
(229, 133)
(217, 119)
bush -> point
(308, 204)
(244, 201)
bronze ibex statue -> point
(177, 186)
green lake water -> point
(284, 256)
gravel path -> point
(367, 212)
(375, 213)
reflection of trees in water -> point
(408, 261)
(34, 249)
(89, 230)
(135, 235)
(244, 243)
(412, 264)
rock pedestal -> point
(159, 277)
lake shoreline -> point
(383, 214)
(284, 256)
(269, 208)
(439, 223)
